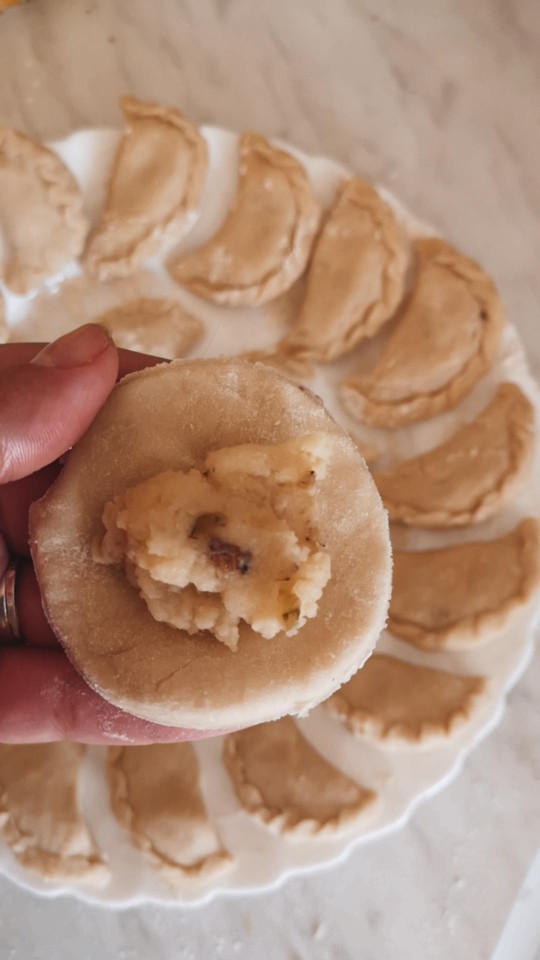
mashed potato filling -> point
(235, 540)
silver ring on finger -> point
(10, 634)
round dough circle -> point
(169, 417)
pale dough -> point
(264, 243)
(396, 703)
(447, 337)
(460, 596)
(155, 795)
(472, 475)
(39, 814)
(157, 671)
(356, 278)
(41, 212)
(161, 328)
(280, 779)
(154, 189)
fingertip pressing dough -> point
(460, 596)
(356, 278)
(154, 189)
(155, 796)
(280, 779)
(470, 476)
(39, 815)
(446, 338)
(397, 703)
(162, 673)
(41, 212)
(265, 240)
(161, 328)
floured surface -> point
(400, 778)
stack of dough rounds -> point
(170, 417)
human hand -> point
(48, 398)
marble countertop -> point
(437, 100)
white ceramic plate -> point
(402, 777)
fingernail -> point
(75, 349)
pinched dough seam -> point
(288, 819)
(394, 242)
(363, 723)
(210, 865)
(178, 223)
(380, 310)
(421, 406)
(299, 243)
(46, 862)
(53, 173)
(520, 443)
(392, 413)
(478, 628)
(66, 199)
(459, 635)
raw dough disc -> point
(169, 417)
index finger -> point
(13, 354)
(43, 698)
(16, 497)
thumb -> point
(46, 405)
